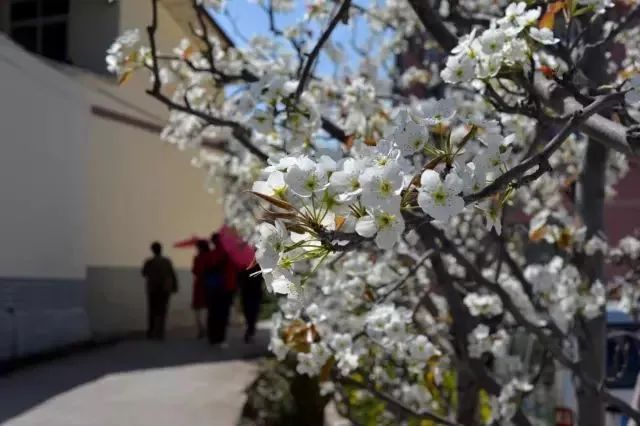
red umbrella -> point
(189, 242)
(241, 253)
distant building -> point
(85, 182)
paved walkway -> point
(134, 383)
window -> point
(41, 26)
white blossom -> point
(440, 199)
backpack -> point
(213, 278)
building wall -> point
(622, 213)
(83, 195)
(137, 14)
(42, 168)
(43, 154)
(142, 190)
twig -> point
(342, 14)
(404, 279)
(151, 31)
(541, 159)
(624, 23)
(239, 132)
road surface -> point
(134, 383)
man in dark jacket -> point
(161, 282)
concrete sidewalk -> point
(139, 383)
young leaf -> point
(549, 18)
(275, 201)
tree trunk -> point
(592, 341)
(309, 404)
(590, 204)
(468, 397)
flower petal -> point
(366, 226)
(430, 180)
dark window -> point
(41, 26)
(24, 10)
(54, 41)
(55, 7)
(27, 37)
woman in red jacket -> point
(198, 297)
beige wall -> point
(142, 190)
(137, 14)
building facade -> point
(85, 181)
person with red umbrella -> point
(247, 274)
(217, 274)
(220, 285)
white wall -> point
(78, 190)
(44, 122)
(43, 153)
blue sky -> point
(251, 20)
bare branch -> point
(341, 15)
(433, 23)
(404, 279)
(609, 133)
(239, 132)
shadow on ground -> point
(28, 387)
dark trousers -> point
(158, 303)
(219, 303)
(251, 299)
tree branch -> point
(609, 133)
(533, 329)
(342, 14)
(404, 279)
(433, 23)
(605, 131)
(541, 159)
(239, 132)
(622, 25)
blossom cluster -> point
(368, 193)
(564, 292)
(127, 54)
(505, 45)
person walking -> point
(250, 282)
(220, 284)
(198, 295)
(161, 281)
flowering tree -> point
(388, 200)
